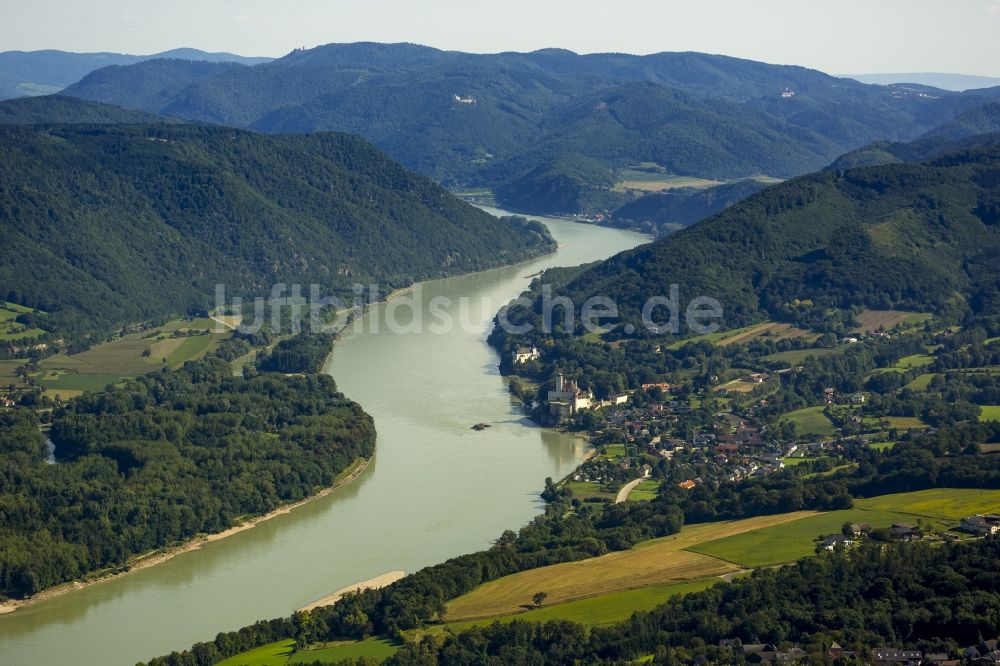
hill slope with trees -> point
(921, 236)
(108, 225)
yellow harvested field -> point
(657, 562)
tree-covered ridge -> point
(162, 459)
(56, 109)
(470, 119)
(108, 225)
(918, 236)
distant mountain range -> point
(944, 81)
(25, 73)
(523, 122)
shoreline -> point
(162, 555)
(375, 583)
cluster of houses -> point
(6, 402)
(979, 525)
(830, 397)
(986, 653)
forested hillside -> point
(55, 109)
(108, 225)
(467, 119)
(164, 458)
(921, 236)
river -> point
(435, 489)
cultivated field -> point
(733, 336)
(786, 543)
(797, 356)
(594, 611)
(7, 375)
(922, 382)
(872, 320)
(654, 563)
(129, 356)
(650, 181)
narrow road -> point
(628, 488)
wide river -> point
(435, 489)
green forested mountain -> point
(104, 225)
(920, 236)
(26, 73)
(977, 126)
(56, 109)
(469, 119)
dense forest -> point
(54, 109)
(919, 236)
(166, 457)
(109, 225)
(692, 113)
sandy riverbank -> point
(163, 555)
(370, 584)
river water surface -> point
(435, 489)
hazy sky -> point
(836, 36)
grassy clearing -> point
(272, 654)
(922, 382)
(660, 562)
(942, 507)
(653, 181)
(881, 446)
(281, 653)
(945, 503)
(647, 490)
(914, 361)
(588, 490)
(735, 336)
(129, 356)
(811, 421)
(787, 543)
(378, 649)
(12, 330)
(989, 413)
(737, 386)
(905, 422)
(595, 611)
(77, 381)
(7, 370)
(872, 320)
(191, 348)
